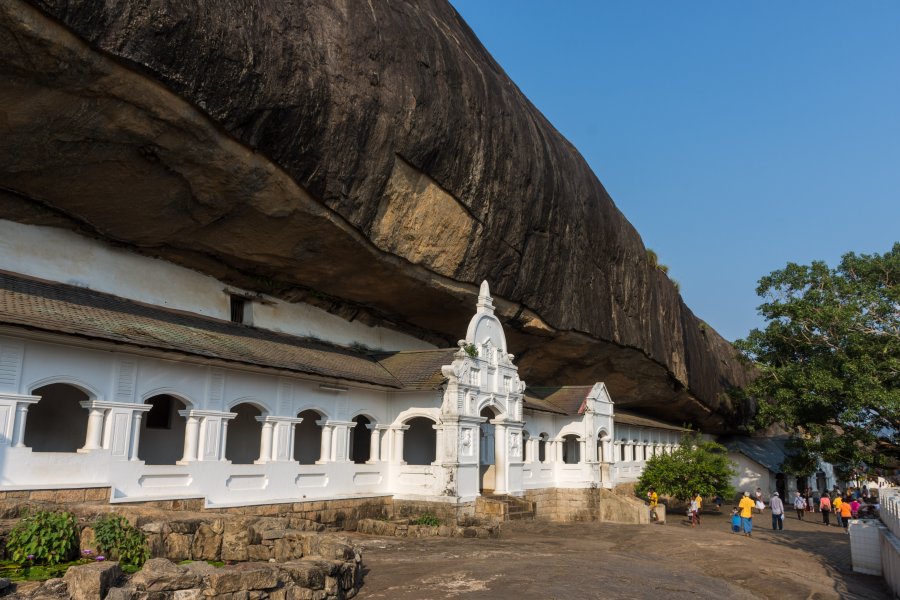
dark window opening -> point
(238, 308)
(160, 416)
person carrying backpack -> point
(799, 504)
(825, 507)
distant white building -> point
(130, 372)
(759, 465)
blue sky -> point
(735, 136)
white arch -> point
(571, 429)
(433, 414)
(602, 434)
(167, 391)
(252, 401)
(369, 414)
(92, 393)
(316, 408)
(490, 401)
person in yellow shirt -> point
(746, 506)
(653, 500)
(837, 509)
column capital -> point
(108, 404)
(271, 419)
(20, 398)
(191, 412)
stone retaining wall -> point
(405, 529)
(309, 578)
(598, 504)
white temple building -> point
(159, 382)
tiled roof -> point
(569, 400)
(61, 308)
(418, 369)
(769, 452)
(625, 418)
(564, 400)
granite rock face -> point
(370, 158)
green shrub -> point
(426, 519)
(120, 540)
(44, 537)
(471, 350)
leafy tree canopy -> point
(695, 467)
(829, 358)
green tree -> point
(829, 358)
(695, 467)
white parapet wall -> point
(874, 546)
(865, 545)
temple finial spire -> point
(485, 302)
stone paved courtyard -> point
(602, 560)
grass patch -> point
(16, 572)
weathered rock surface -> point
(371, 158)
(89, 582)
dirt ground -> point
(534, 560)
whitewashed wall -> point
(34, 251)
(116, 385)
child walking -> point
(735, 521)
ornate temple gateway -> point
(158, 382)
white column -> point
(325, 454)
(397, 456)
(293, 438)
(265, 441)
(582, 450)
(501, 460)
(558, 445)
(191, 438)
(439, 443)
(135, 434)
(374, 444)
(224, 439)
(19, 427)
(94, 437)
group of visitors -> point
(844, 507)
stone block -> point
(332, 547)
(157, 545)
(191, 594)
(207, 544)
(153, 527)
(42, 495)
(234, 545)
(69, 496)
(309, 574)
(247, 576)
(178, 546)
(289, 548)
(90, 582)
(184, 525)
(100, 494)
(260, 552)
(265, 524)
(305, 524)
(160, 574)
(272, 534)
(122, 593)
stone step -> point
(520, 516)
